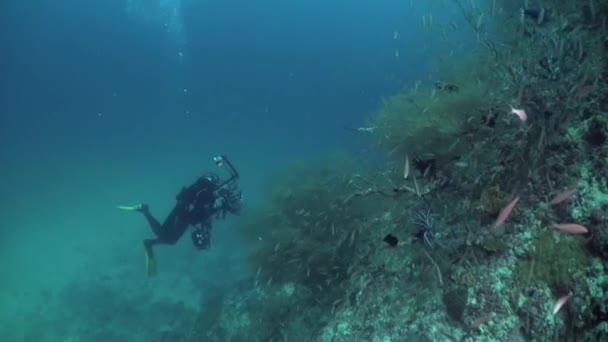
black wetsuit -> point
(195, 206)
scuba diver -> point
(207, 198)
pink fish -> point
(584, 91)
(481, 320)
(573, 228)
(560, 303)
(521, 114)
(505, 212)
(562, 196)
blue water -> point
(118, 102)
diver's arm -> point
(234, 175)
(233, 171)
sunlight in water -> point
(162, 12)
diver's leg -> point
(150, 260)
(173, 227)
(145, 210)
(152, 221)
(148, 244)
(167, 233)
(170, 236)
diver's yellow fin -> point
(129, 207)
(150, 265)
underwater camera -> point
(201, 238)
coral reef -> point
(455, 149)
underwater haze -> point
(112, 102)
(397, 170)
